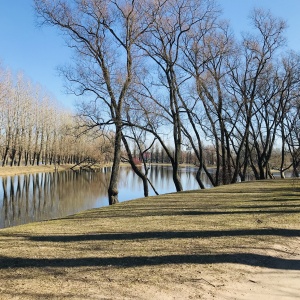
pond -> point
(43, 196)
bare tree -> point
(279, 88)
(163, 44)
(103, 34)
(250, 72)
(8, 118)
(207, 50)
(34, 130)
(289, 114)
(293, 142)
(137, 137)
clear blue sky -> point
(37, 52)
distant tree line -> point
(34, 131)
(172, 73)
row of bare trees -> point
(171, 72)
(34, 131)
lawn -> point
(240, 241)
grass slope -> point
(231, 242)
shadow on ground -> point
(167, 235)
(126, 262)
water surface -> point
(42, 196)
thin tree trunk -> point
(135, 168)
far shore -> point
(19, 170)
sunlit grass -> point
(160, 238)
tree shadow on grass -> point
(249, 259)
(167, 235)
(240, 212)
(170, 211)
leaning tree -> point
(103, 34)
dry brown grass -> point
(15, 170)
(231, 242)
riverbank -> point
(19, 170)
(15, 170)
(232, 242)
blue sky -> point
(37, 52)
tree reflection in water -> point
(42, 196)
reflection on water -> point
(42, 196)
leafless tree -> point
(207, 50)
(34, 130)
(250, 90)
(137, 137)
(163, 45)
(103, 34)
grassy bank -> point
(231, 242)
(18, 170)
(15, 170)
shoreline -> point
(21, 170)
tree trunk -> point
(114, 178)
(198, 178)
(13, 155)
(5, 156)
(135, 168)
(176, 177)
(20, 156)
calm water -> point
(43, 196)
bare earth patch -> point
(231, 242)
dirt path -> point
(235, 242)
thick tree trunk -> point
(114, 178)
(176, 177)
